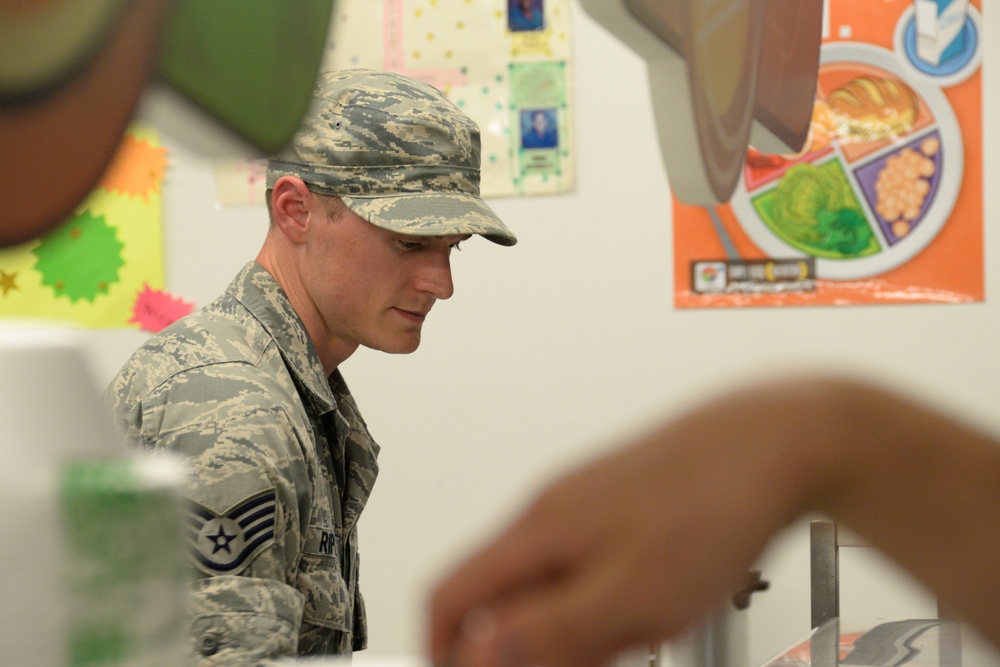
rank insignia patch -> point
(226, 544)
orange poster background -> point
(948, 270)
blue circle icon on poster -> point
(941, 40)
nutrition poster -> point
(885, 202)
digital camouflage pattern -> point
(397, 151)
(280, 465)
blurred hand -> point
(635, 547)
(646, 541)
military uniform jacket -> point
(280, 465)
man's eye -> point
(411, 245)
(457, 245)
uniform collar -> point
(260, 294)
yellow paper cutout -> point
(89, 271)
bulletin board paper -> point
(885, 205)
(505, 63)
(91, 270)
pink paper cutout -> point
(155, 310)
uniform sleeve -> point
(248, 491)
(240, 621)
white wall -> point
(557, 348)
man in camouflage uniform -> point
(377, 187)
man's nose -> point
(435, 278)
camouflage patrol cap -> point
(398, 153)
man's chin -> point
(398, 347)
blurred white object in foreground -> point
(91, 543)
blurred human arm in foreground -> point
(647, 540)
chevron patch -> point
(226, 544)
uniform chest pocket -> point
(329, 600)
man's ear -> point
(291, 206)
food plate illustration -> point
(879, 177)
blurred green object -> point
(251, 64)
